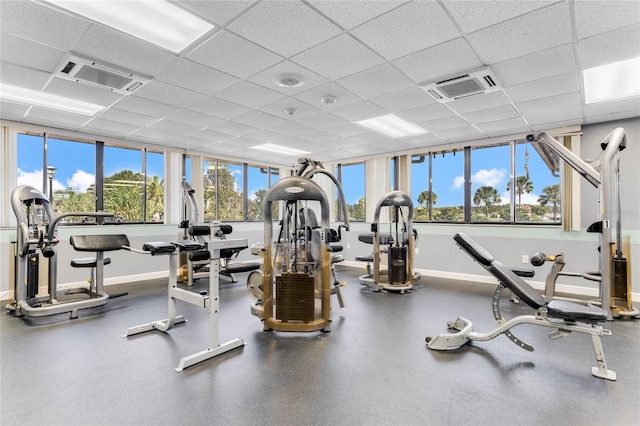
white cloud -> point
(483, 177)
(458, 182)
(81, 180)
(530, 199)
(33, 178)
(493, 177)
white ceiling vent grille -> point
(482, 80)
(83, 70)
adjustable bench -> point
(564, 316)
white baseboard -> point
(485, 279)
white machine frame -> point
(210, 301)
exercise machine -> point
(197, 262)
(36, 231)
(563, 316)
(209, 300)
(295, 294)
(604, 175)
(398, 245)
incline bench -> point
(561, 315)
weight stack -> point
(33, 264)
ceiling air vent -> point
(87, 71)
(482, 80)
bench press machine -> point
(209, 300)
(563, 316)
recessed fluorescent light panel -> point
(393, 126)
(157, 22)
(47, 100)
(284, 150)
(612, 81)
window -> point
(154, 188)
(31, 161)
(490, 170)
(421, 196)
(257, 185)
(447, 188)
(223, 191)
(537, 187)
(352, 179)
(123, 181)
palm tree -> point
(424, 197)
(488, 196)
(523, 185)
(551, 195)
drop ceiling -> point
(218, 97)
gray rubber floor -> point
(372, 368)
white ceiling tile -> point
(479, 102)
(151, 108)
(407, 29)
(453, 57)
(278, 109)
(82, 92)
(219, 12)
(290, 128)
(376, 81)
(259, 119)
(340, 143)
(412, 97)
(555, 61)
(112, 47)
(426, 113)
(610, 47)
(436, 126)
(595, 17)
(609, 117)
(362, 150)
(321, 121)
(56, 118)
(127, 117)
(265, 136)
(15, 75)
(168, 94)
(544, 117)
(491, 114)
(168, 126)
(372, 138)
(566, 101)
(211, 135)
(359, 111)
(533, 32)
(40, 57)
(314, 96)
(474, 15)
(338, 57)
(265, 78)
(332, 155)
(349, 14)
(194, 118)
(346, 130)
(12, 111)
(393, 145)
(428, 139)
(193, 76)
(543, 88)
(113, 127)
(249, 95)
(318, 136)
(219, 108)
(284, 27)
(613, 107)
(155, 135)
(234, 128)
(557, 124)
(461, 134)
(502, 127)
(41, 23)
(231, 54)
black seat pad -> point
(474, 249)
(88, 262)
(187, 245)
(365, 257)
(516, 284)
(158, 247)
(384, 239)
(98, 242)
(237, 267)
(574, 311)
